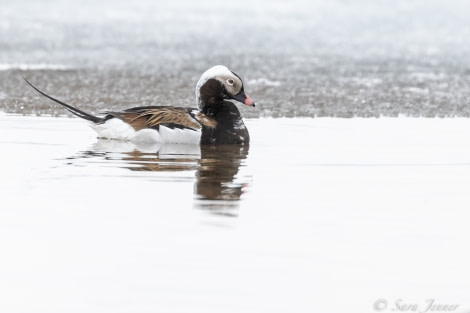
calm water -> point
(363, 209)
(317, 215)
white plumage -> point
(117, 129)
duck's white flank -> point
(114, 128)
(117, 129)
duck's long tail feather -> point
(71, 109)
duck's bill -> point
(243, 98)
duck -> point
(215, 121)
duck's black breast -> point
(229, 129)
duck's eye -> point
(230, 81)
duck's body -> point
(216, 121)
(168, 124)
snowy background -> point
(298, 58)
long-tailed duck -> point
(216, 121)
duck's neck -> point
(225, 110)
(230, 128)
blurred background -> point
(315, 58)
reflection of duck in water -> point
(216, 121)
(217, 186)
(217, 168)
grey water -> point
(298, 58)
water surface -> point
(363, 209)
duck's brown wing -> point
(172, 117)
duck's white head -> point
(218, 83)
